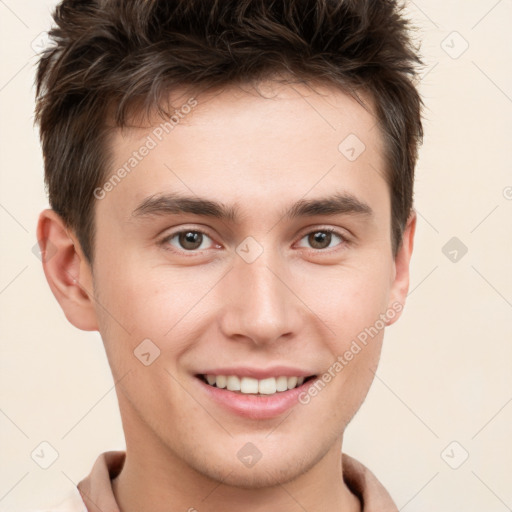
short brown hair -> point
(112, 57)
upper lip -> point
(258, 373)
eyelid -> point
(341, 232)
(165, 240)
(345, 239)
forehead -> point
(280, 139)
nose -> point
(260, 306)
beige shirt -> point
(94, 493)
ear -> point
(400, 284)
(67, 271)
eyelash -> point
(191, 253)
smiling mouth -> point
(251, 386)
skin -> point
(296, 304)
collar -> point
(96, 489)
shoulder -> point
(364, 484)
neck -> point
(150, 483)
(154, 479)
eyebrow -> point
(336, 204)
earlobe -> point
(67, 271)
(400, 284)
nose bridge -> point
(261, 307)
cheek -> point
(138, 302)
(354, 306)
(348, 299)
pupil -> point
(190, 240)
(320, 239)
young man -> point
(231, 192)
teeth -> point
(282, 383)
(249, 385)
(267, 386)
(292, 382)
(233, 383)
(220, 381)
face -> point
(250, 247)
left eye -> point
(322, 239)
(189, 240)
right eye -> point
(188, 240)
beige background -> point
(445, 373)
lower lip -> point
(256, 407)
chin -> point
(269, 475)
(271, 470)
